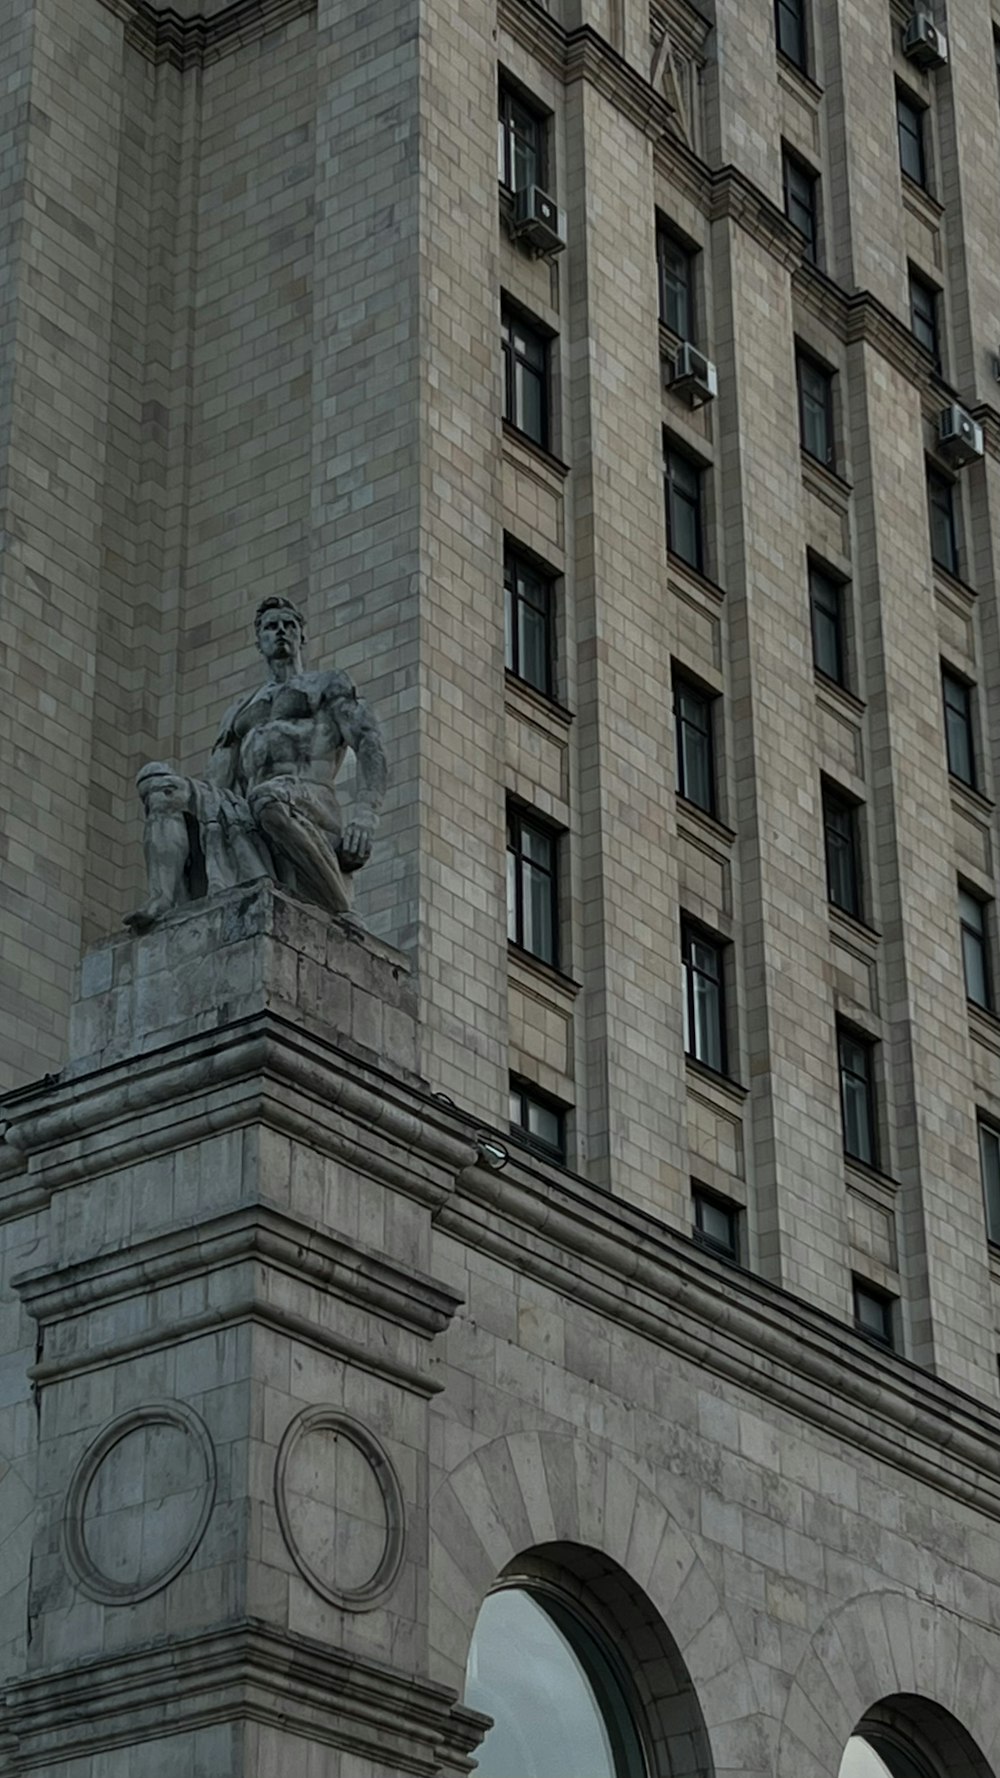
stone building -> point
(584, 1319)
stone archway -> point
(883, 1645)
(532, 1490)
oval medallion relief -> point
(139, 1502)
(340, 1507)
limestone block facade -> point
(682, 907)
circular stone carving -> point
(340, 1507)
(139, 1502)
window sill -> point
(513, 435)
(836, 696)
(695, 576)
(969, 801)
(723, 1083)
(797, 80)
(708, 826)
(868, 1174)
(946, 583)
(541, 971)
(993, 1258)
(828, 478)
(845, 925)
(984, 1027)
(520, 692)
(919, 201)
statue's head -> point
(279, 627)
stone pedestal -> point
(235, 1326)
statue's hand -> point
(356, 845)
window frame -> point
(694, 933)
(932, 343)
(940, 484)
(702, 1196)
(907, 102)
(513, 318)
(519, 818)
(518, 565)
(952, 680)
(684, 685)
(531, 1096)
(977, 934)
(838, 806)
(511, 100)
(796, 10)
(795, 169)
(849, 1034)
(807, 364)
(668, 238)
(886, 1301)
(819, 574)
(673, 455)
(991, 1190)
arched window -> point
(553, 1688)
(874, 1754)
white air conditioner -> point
(960, 438)
(539, 220)
(924, 42)
(693, 375)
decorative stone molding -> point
(162, 36)
(140, 1498)
(331, 1520)
(689, 29)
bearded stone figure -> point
(266, 806)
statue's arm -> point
(224, 757)
(360, 728)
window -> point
(695, 751)
(924, 315)
(975, 948)
(521, 132)
(826, 604)
(682, 485)
(873, 1313)
(873, 1753)
(856, 1056)
(675, 266)
(815, 407)
(800, 187)
(957, 694)
(704, 998)
(790, 30)
(532, 886)
(526, 378)
(553, 1687)
(989, 1164)
(910, 127)
(540, 1120)
(843, 862)
(716, 1223)
(528, 628)
(944, 533)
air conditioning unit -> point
(693, 375)
(960, 439)
(924, 42)
(539, 220)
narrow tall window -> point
(704, 998)
(910, 128)
(815, 408)
(989, 1162)
(695, 750)
(532, 886)
(790, 30)
(957, 694)
(520, 142)
(528, 626)
(941, 511)
(675, 267)
(826, 604)
(540, 1120)
(800, 189)
(682, 487)
(525, 377)
(924, 316)
(873, 1313)
(975, 949)
(856, 1056)
(716, 1223)
(843, 872)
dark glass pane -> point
(815, 396)
(529, 402)
(684, 509)
(974, 955)
(827, 625)
(800, 202)
(512, 896)
(910, 120)
(958, 730)
(989, 1154)
(923, 315)
(856, 1101)
(705, 994)
(675, 285)
(534, 647)
(941, 506)
(841, 855)
(791, 30)
(873, 1315)
(694, 747)
(716, 1224)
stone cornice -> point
(162, 35)
(688, 28)
(245, 1673)
(588, 57)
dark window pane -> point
(842, 862)
(826, 600)
(520, 141)
(958, 729)
(941, 509)
(800, 201)
(695, 767)
(975, 954)
(924, 315)
(539, 1119)
(716, 1224)
(528, 599)
(684, 524)
(989, 1159)
(910, 123)
(873, 1313)
(790, 28)
(532, 887)
(526, 378)
(704, 1020)
(675, 265)
(816, 409)
(857, 1098)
